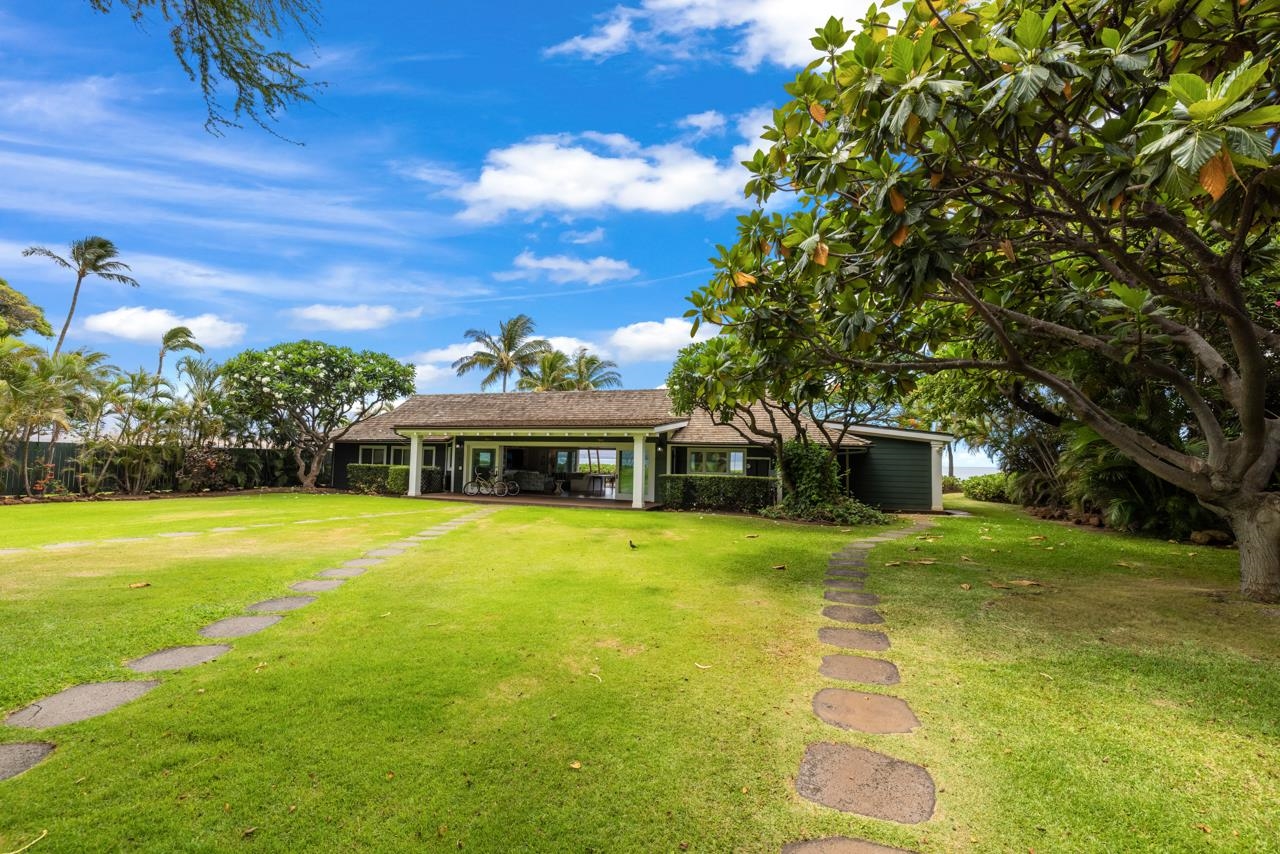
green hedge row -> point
(737, 493)
(390, 480)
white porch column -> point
(415, 464)
(639, 471)
(936, 475)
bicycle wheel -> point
(471, 488)
(499, 488)
(513, 488)
(486, 487)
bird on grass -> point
(633, 545)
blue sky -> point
(577, 162)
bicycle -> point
(484, 485)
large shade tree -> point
(307, 394)
(226, 45)
(513, 350)
(1036, 189)
(91, 256)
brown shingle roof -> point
(643, 408)
(703, 430)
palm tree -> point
(91, 256)
(177, 338)
(588, 372)
(550, 374)
(514, 350)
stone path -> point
(82, 702)
(843, 776)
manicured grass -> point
(444, 697)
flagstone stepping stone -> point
(856, 668)
(852, 597)
(11, 551)
(856, 780)
(21, 756)
(342, 572)
(854, 639)
(845, 583)
(853, 614)
(127, 540)
(177, 534)
(840, 845)
(238, 627)
(846, 573)
(177, 657)
(311, 586)
(362, 563)
(228, 529)
(874, 713)
(385, 552)
(74, 544)
(284, 603)
(78, 703)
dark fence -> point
(254, 467)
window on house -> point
(428, 457)
(373, 455)
(717, 462)
(399, 455)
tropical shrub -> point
(207, 469)
(952, 484)
(368, 479)
(988, 487)
(397, 480)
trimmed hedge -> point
(368, 479)
(988, 487)
(735, 493)
(390, 480)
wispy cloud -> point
(582, 238)
(565, 269)
(351, 318)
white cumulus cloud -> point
(773, 31)
(582, 238)
(350, 318)
(563, 269)
(705, 123)
(655, 340)
(597, 172)
(134, 323)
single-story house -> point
(555, 443)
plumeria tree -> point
(307, 394)
(1037, 189)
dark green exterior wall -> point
(895, 475)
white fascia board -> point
(533, 432)
(893, 433)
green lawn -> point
(444, 698)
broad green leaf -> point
(1110, 38)
(1244, 80)
(1257, 118)
(1001, 53)
(1188, 88)
(1195, 151)
(1029, 31)
(1202, 110)
(902, 53)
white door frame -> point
(467, 447)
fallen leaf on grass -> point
(260, 666)
(966, 558)
(893, 563)
(985, 537)
(1203, 827)
(702, 666)
(998, 586)
(391, 775)
(1046, 676)
(575, 765)
(780, 566)
(1037, 537)
(966, 586)
(1026, 582)
(924, 561)
(248, 831)
(135, 585)
(752, 536)
(1125, 564)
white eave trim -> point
(908, 435)
(536, 432)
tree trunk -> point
(75, 296)
(951, 459)
(1256, 524)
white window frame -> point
(732, 455)
(372, 449)
(428, 456)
